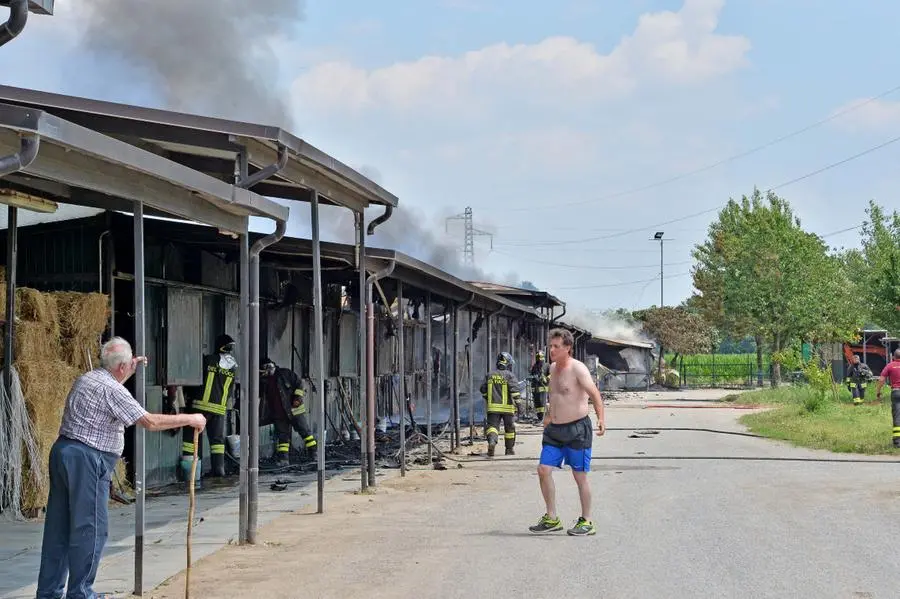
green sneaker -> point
(546, 524)
(582, 528)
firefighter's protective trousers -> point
(857, 380)
(540, 381)
(895, 413)
(213, 403)
(297, 422)
(286, 396)
(500, 390)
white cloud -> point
(679, 48)
(876, 115)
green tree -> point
(759, 273)
(877, 267)
(677, 330)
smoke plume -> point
(205, 56)
(413, 233)
(606, 325)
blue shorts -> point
(578, 459)
(568, 443)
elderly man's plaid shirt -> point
(97, 411)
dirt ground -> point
(335, 554)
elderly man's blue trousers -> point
(76, 525)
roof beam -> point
(80, 157)
(57, 164)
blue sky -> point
(535, 113)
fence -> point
(722, 370)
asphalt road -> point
(750, 518)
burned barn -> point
(620, 364)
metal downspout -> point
(246, 182)
(18, 17)
(28, 150)
(370, 365)
(388, 211)
(560, 315)
(253, 416)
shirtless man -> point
(567, 432)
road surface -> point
(697, 509)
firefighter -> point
(500, 390)
(891, 376)
(540, 379)
(857, 378)
(220, 370)
(284, 393)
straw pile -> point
(83, 318)
(57, 338)
(45, 385)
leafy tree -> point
(677, 330)
(877, 268)
(759, 273)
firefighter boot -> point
(492, 437)
(510, 439)
(217, 462)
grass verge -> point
(802, 417)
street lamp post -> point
(658, 236)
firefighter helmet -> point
(267, 367)
(505, 361)
(224, 344)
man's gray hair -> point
(114, 353)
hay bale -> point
(75, 351)
(34, 341)
(120, 481)
(82, 314)
(36, 306)
(45, 385)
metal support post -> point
(428, 373)
(12, 245)
(363, 340)
(470, 365)
(244, 380)
(401, 368)
(455, 384)
(319, 352)
(140, 396)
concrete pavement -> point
(727, 524)
(687, 505)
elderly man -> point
(91, 439)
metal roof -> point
(537, 298)
(621, 342)
(211, 145)
(295, 253)
(79, 166)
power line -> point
(623, 284)
(720, 206)
(592, 266)
(777, 140)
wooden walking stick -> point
(190, 528)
